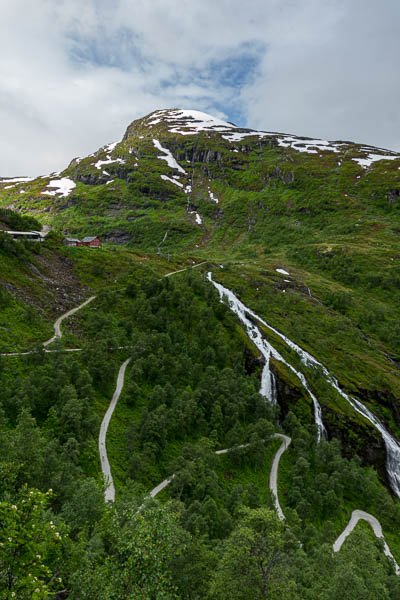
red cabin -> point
(91, 240)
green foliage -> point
(18, 222)
(139, 544)
(29, 548)
(256, 560)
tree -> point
(255, 563)
(140, 544)
(27, 540)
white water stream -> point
(391, 444)
(267, 389)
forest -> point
(192, 387)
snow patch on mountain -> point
(64, 187)
(367, 162)
(109, 160)
(110, 147)
(199, 220)
(168, 157)
(307, 145)
(174, 181)
(212, 197)
(17, 180)
(238, 136)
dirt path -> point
(186, 268)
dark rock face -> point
(196, 155)
(117, 237)
(252, 363)
(393, 196)
(358, 439)
(70, 202)
(292, 399)
(91, 178)
(283, 176)
(382, 398)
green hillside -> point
(306, 233)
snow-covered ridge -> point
(191, 122)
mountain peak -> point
(180, 121)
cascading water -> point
(268, 388)
(274, 393)
(391, 444)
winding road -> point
(57, 332)
(109, 493)
(360, 515)
(356, 515)
(273, 475)
(186, 268)
(57, 325)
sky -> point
(75, 73)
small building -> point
(69, 241)
(27, 236)
(91, 240)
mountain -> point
(300, 240)
(203, 180)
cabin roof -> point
(89, 238)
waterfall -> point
(274, 394)
(268, 388)
(391, 444)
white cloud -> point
(74, 74)
(340, 82)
